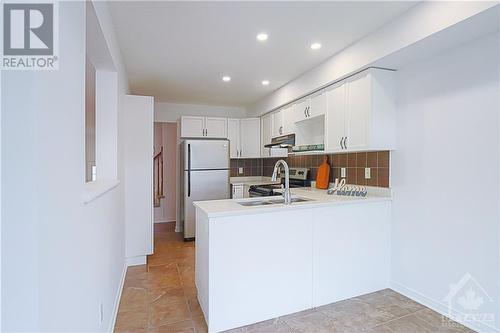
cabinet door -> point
(233, 134)
(250, 137)
(265, 134)
(301, 110)
(237, 192)
(216, 127)
(317, 105)
(288, 119)
(192, 127)
(277, 122)
(335, 117)
(358, 105)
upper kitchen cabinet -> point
(361, 112)
(250, 138)
(233, 134)
(192, 127)
(277, 123)
(283, 121)
(215, 127)
(288, 119)
(203, 127)
(266, 133)
(244, 137)
(311, 107)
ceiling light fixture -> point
(262, 37)
(226, 78)
(265, 82)
(315, 46)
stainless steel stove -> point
(299, 177)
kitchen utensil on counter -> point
(323, 176)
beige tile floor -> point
(161, 297)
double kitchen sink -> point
(271, 202)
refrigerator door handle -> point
(189, 170)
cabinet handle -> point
(308, 108)
(305, 112)
(206, 132)
(281, 130)
(341, 139)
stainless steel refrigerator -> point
(205, 176)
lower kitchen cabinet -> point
(237, 192)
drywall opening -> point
(165, 171)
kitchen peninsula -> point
(257, 258)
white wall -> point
(61, 258)
(417, 24)
(138, 177)
(445, 175)
(171, 112)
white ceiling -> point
(179, 51)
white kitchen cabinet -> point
(311, 107)
(277, 123)
(317, 104)
(244, 137)
(301, 109)
(250, 138)
(361, 113)
(237, 192)
(335, 117)
(233, 134)
(192, 127)
(266, 134)
(216, 127)
(288, 119)
(203, 127)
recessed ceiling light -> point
(226, 78)
(262, 37)
(265, 82)
(315, 46)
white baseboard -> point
(117, 300)
(166, 221)
(440, 307)
(134, 261)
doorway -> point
(165, 171)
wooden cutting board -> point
(323, 176)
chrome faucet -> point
(286, 191)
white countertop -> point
(319, 198)
(256, 180)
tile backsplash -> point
(251, 167)
(355, 164)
